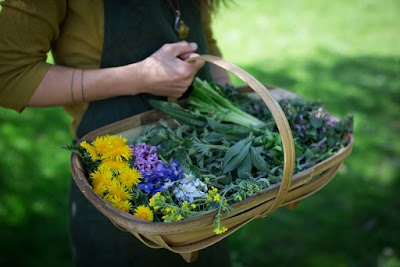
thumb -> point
(187, 55)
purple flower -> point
(332, 122)
(146, 158)
(155, 173)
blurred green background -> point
(346, 53)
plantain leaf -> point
(257, 160)
(244, 170)
(234, 157)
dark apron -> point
(133, 30)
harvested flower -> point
(144, 213)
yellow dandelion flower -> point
(144, 213)
(99, 189)
(116, 166)
(108, 198)
(220, 229)
(124, 205)
(117, 140)
(119, 150)
(129, 177)
(101, 179)
(91, 150)
(116, 189)
(102, 145)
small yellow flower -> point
(172, 217)
(185, 206)
(156, 200)
(212, 193)
(177, 218)
(144, 213)
(217, 198)
(220, 230)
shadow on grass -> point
(354, 220)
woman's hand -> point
(166, 73)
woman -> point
(111, 57)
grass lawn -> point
(346, 53)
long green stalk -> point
(207, 100)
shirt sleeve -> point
(27, 30)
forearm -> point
(66, 86)
(163, 73)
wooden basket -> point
(191, 235)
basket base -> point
(293, 205)
(190, 257)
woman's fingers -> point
(167, 73)
(180, 48)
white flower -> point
(188, 177)
(168, 184)
(189, 188)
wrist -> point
(130, 79)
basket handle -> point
(279, 117)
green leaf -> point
(234, 150)
(244, 169)
(315, 122)
(226, 180)
(236, 154)
(257, 160)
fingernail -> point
(193, 45)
